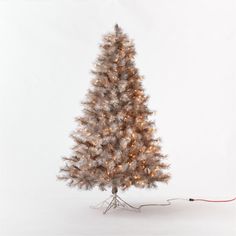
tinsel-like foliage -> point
(114, 141)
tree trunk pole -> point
(114, 189)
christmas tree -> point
(115, 144)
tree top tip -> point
(117, 29)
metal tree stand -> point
(114, 201)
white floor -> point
(72, 215)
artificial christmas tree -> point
(114, 142)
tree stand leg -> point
(115, 202)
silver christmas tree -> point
(115, 143)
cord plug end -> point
(191, 199)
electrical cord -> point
(114, 201)
(162, 204)
(184, 199)
(208, 200)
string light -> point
(136, 177)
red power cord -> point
(169, 201)
(208, 200)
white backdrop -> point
(186, 51)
